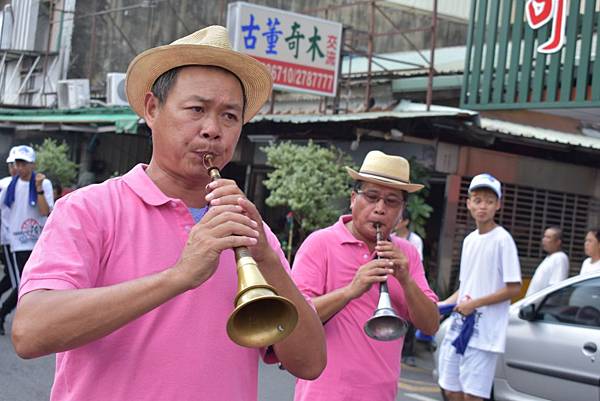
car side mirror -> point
(527, 312)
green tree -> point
(417, 207)
(52, 159)
(310, 180)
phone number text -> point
(297, 77)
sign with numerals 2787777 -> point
(301, 52)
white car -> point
(552, 345)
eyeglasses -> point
(373, 197)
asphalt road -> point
(22, 380)
(30, 380)
(416, 381)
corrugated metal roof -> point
(404, 109)
(320, 118)
(542, 134)
(448, 60)
(122, 117)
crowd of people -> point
(130, 282)
(489, 277)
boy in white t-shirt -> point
(490, 275)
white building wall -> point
(453, 9)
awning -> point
(448, 60)
(541, 134)
(117, 119)
(405, 109)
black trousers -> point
(19, 259)
(7, 281)
(409, 342)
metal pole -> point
(336, 100)
(92, 45)
(370, 53)
(272, 105)
(45, 65)
(150, 26)
(348, 83)
(432, 57)
(222, 14)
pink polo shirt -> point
(358, 367)
(121, 230)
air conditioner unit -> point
(73, 93)
(115, 89)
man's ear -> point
(352, 199)
(151, 106)
(499, 205)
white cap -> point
(11, 155)
(22, 152)
(486, 181)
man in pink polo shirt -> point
(132, 280)
(337, 268)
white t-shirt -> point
(487, 263)
(25, 223)
(4, 212)
(589, 267)
(554, 268)
(414, 239)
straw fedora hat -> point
(390, 171)
(209, 47)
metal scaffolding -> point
(376, 7)
(35, 88)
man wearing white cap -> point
(490, 275)
(337, 268)
(133, 280)
(26, 203)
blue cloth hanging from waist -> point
(461, 342)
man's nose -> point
(211, 128)
(380, 205)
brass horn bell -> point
(261, 317)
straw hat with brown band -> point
(387, 170)
(207, 47)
